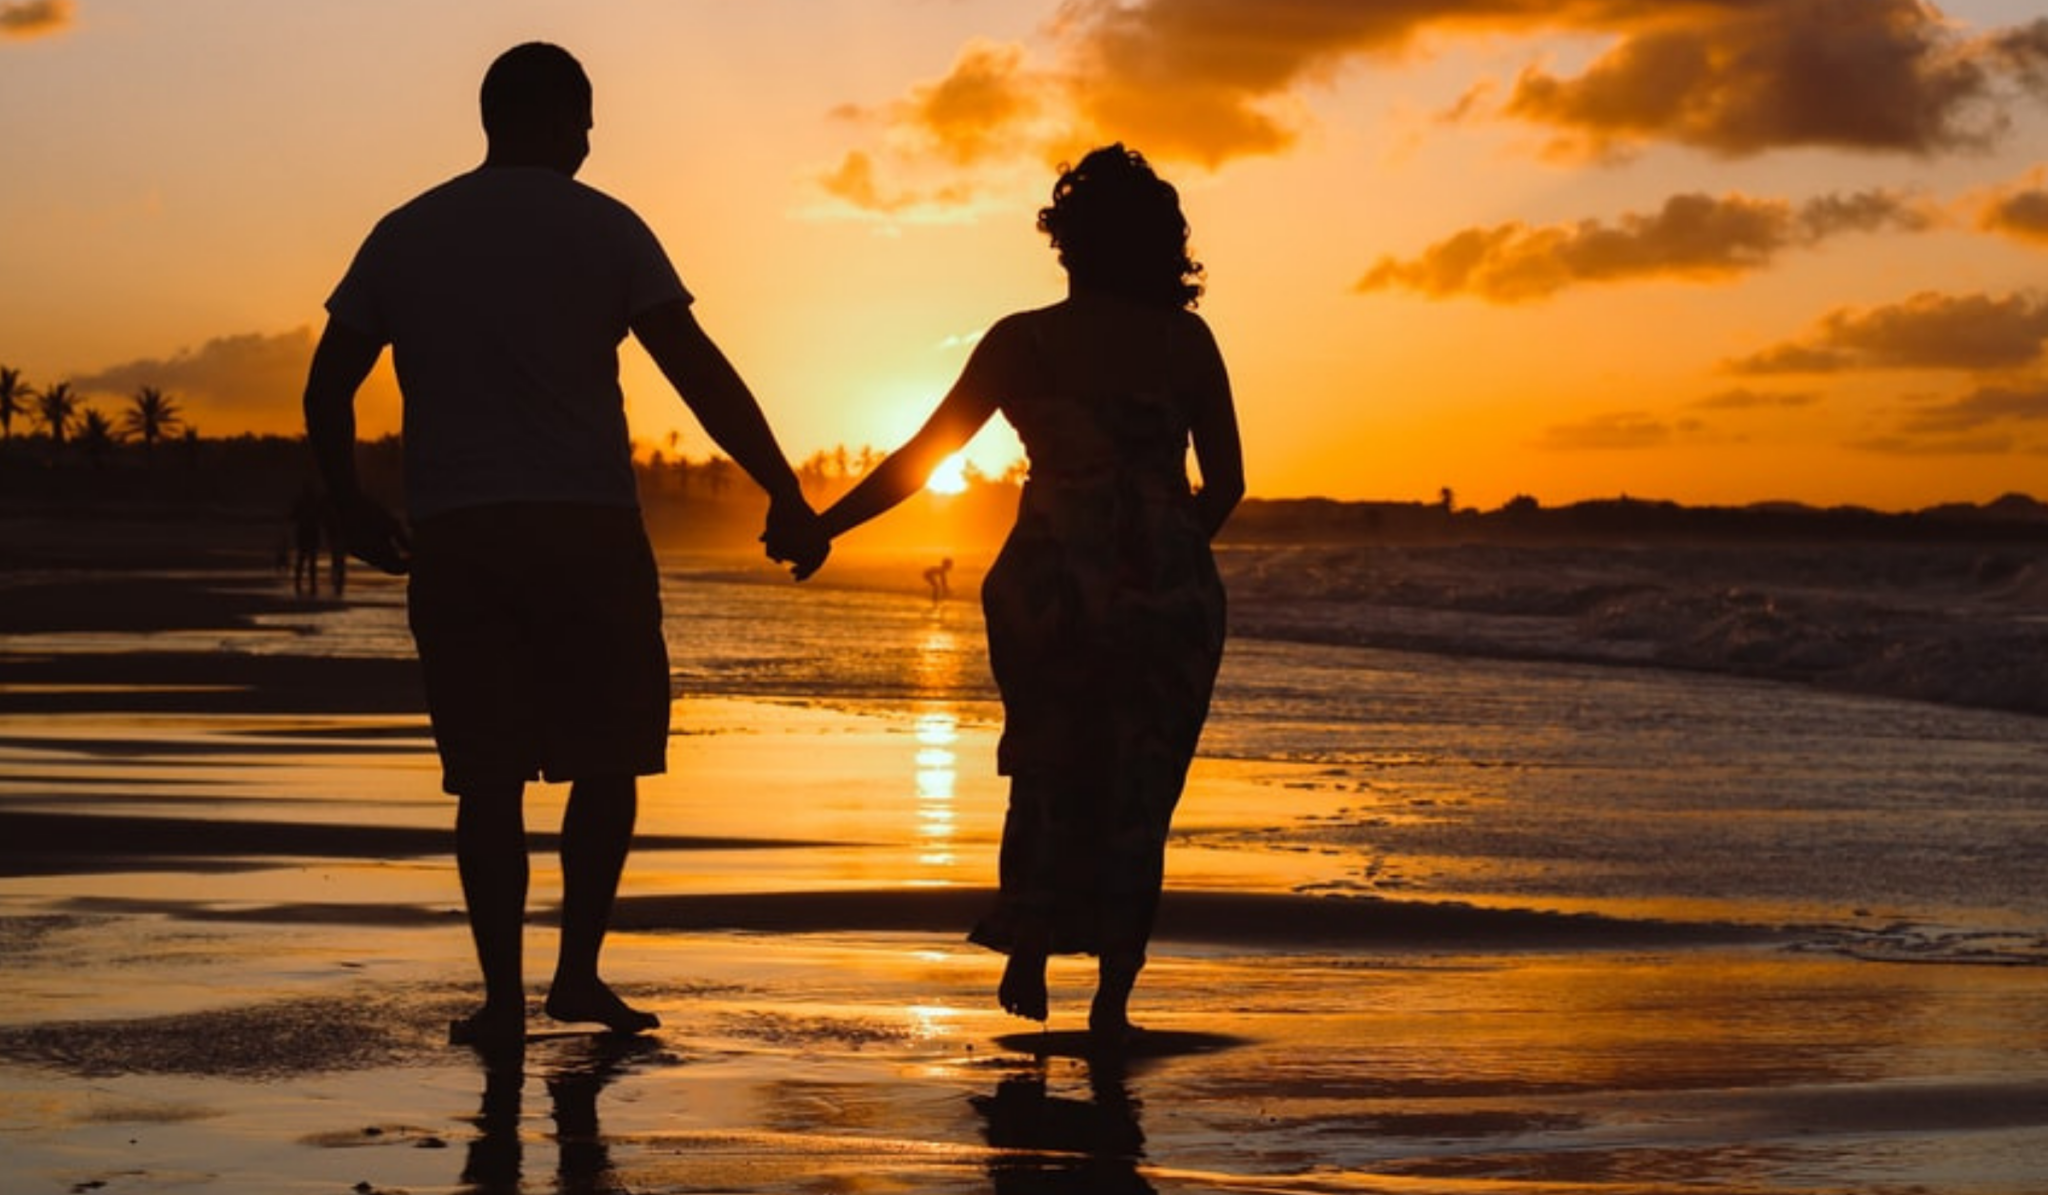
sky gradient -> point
(1716, 251)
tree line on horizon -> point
(67, 417)
(256, 469)
(66, 424)
(78, 454)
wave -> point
(1959, 624)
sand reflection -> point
(1049, 1142)
(937, 771)
(573, 1076)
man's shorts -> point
(539, 629)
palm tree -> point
(14, 394)
(95, 435)
(151, 416)
(56, 407)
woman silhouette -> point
(1105, 614)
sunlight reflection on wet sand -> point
(265, 1018)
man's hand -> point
(372, 534)
(795, 537)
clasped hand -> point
(795, 536)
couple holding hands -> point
(533, 595)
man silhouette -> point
(533, 596)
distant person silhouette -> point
(1104, 609)
(337, 550)
(935, 577)
(533, 598)
(308, 525)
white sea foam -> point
(1957, 624)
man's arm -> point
(341, 361)
(730, 415)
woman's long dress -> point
(1105, 621)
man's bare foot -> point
(595, 1001)
(1022, 992)
(489, 1028)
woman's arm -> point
(966, 407)
(1219, 453)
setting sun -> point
(951, 475)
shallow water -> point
(827, 1064)
(1619, 788)
(266, 1021)
(1903, 827)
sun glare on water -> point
(951, 475)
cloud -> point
(251, 381)
(2020, 214)
(1738, 78)
(2022, 51)
(1210, 81)
(2019, 210)
(1182, 80)
(1927, 331)
(1617, 431)
(1693, 236)
(33, 18)
(1990, 420)
(1625, 431)
(1987, 444)
(972, 113)
(1983, 408)
(989, 113)
(1207, 81)
(856, 182)
(1744, 399)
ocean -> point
(1895, 828)
(1462, 896)
(1559, 775)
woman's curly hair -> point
(1118, 228)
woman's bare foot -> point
(1112, 1034)
(595, 1001)
(1109, 1016)
(1022, 992)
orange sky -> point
(1707, 250)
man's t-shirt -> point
(504, 294)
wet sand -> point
(230, 938)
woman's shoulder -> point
(1019, 333)
(1024, 322)
(1080, 321)
(1190, 320)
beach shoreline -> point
(232, 939)
(1962, 624)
